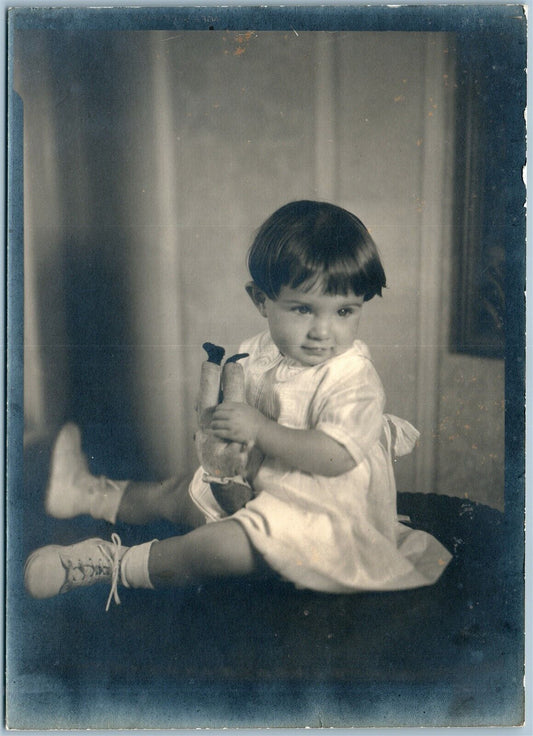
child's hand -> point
(237, 422)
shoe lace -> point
(84, 572)
(113, 557)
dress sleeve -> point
(349, 405)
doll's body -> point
(229, 466)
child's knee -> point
(179, 506)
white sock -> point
(134, 566)
(105, 498)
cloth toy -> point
(230, 467)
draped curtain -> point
(150, 160)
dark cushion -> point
(252, 653)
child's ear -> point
(258, 297)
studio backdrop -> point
(151, 157)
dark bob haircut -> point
(305, 243)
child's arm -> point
(309, 450)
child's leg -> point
(142, 503)
(72, 490)
(215, 551)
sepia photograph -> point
(265, 367)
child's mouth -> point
(315, 350)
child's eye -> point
(302, 309)
(345, 312)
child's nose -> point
(319, 329)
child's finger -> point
(224, 432)
(223, 413)
(221, 423)
(227, 434)
(219, 426)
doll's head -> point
(313, 266)
(305, 243)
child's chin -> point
(310, 358)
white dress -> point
(339, 534)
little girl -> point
(323, 512)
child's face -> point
(310, 326)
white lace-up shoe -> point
(54, 569)
(72, 490)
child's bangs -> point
(335, 275)
(336, 284)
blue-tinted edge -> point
(14, 322)
(468, 21)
